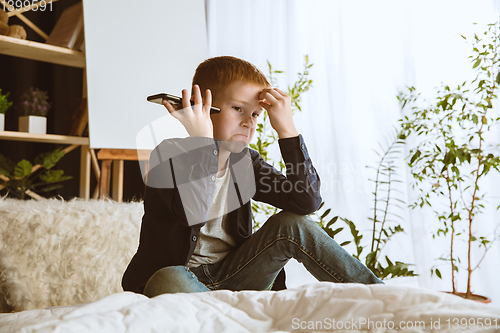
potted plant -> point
(452, 155)
(4, 106)
(33, 108)
(24, 178)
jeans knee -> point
(167, 276)
(291, 220)
(170, 273)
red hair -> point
(217, 73)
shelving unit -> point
(44, 138)
(42, 52)
(55, 55)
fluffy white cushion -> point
(55, 252)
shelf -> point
(44, 138)
(42, 52)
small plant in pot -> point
(454, 156)
(4, 106)
(23, 178)
(33, 108)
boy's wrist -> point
(202, 134)
(288, 134)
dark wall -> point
(64, 86)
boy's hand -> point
(278, 106)
(196, 120)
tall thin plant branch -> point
(478, 175)
(452, 232)
(377, 182)
(386, 206)
(471, 210)
(375, 204)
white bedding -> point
(316, 307)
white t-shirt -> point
(214, 242)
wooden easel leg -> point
(97, 173)
(105, 179)
(85, 172)
(117, 193)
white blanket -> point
(317, 307)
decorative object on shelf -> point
(33, 108)
(4, 29)
(17, 31)
(4, 106)
(453, 154)
(33, 124)
(4, 26)
(4, 17)
(68, 31)
(23, 178)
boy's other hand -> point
(278, 106)
(196, 119)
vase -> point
(2, 122)
(33, 124)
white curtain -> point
(363, 53)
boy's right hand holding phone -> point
(196, 119)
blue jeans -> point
(257, 262)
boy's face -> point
(240, 109)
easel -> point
(115, 158)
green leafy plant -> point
(451, 157)
(320, 217)
(23, 177)
(384, 220)
(4, 102)
(34, 102)
(384, 195)
(266, 135)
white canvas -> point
(135, 49)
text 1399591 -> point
(27, 5)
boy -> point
(196, 232)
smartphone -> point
(175, 101)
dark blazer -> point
(179, 190)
